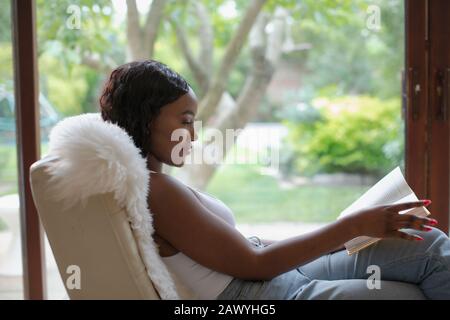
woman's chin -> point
(179, 161)
(178, 164)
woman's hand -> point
(385, 221)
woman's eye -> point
(188, 122)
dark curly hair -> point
(134, 95)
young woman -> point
(196, 232)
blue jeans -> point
(407, 269)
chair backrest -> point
(97, 238)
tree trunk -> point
(150, 31)
(141, 40)
(208, 105)
(216, 108)
(196, 66)
(134, 32)
(246, 106)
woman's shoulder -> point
(164, 187)
(161, 181)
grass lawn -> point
(258, 198)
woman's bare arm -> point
(267, 242)
(378, 222)
(287, 254)
(182, 220)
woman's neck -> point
(154, 164)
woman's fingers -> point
(408, 225)
(412, 219)
(404, 235)
(408, 205)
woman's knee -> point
(433, 239)
(434, 234)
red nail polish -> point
(426, 202)
(427, 228)
(418, 238)
(433, 222)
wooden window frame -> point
(26, 92)
(426, 132)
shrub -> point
(353, 134)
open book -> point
(392, 189)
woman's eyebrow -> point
(188, 112)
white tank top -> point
(204, 282)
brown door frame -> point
(427, 135)
(23, 13)
(439, 100)
(416, 157)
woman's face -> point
(172, 131)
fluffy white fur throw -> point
(99, 157)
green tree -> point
(5, 22)
(346, 54)
(93, 45)
(228, 60)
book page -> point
(392, 189)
